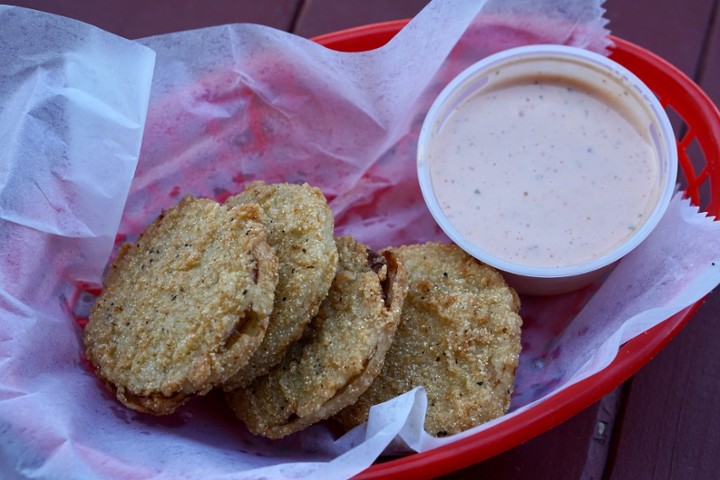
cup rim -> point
(582, 57)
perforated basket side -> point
(697, 121)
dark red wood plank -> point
(673, 29)
(323, 16)
(138, 18)
(709, 74)
(671, 421)
(575, 449)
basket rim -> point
(632, 355)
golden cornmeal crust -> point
(300, 226)
(340, 353)
(184, 307)
(459, 337)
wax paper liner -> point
(73, 101)
(230, 105)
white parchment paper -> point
(229, 105)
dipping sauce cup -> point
(549, 163)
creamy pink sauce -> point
(543, 173)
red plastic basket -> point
(698, 124)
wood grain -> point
(671, 419)
(673, 29)
(709, 73)
(322, 16)
(139, 18)
(577, 448)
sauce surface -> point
(543, 173)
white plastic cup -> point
(577, 66)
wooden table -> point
(662, 423)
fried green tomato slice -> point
(300, 226)
(340, 353)
(184, 307)
(459, 337)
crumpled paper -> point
(229, 105)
